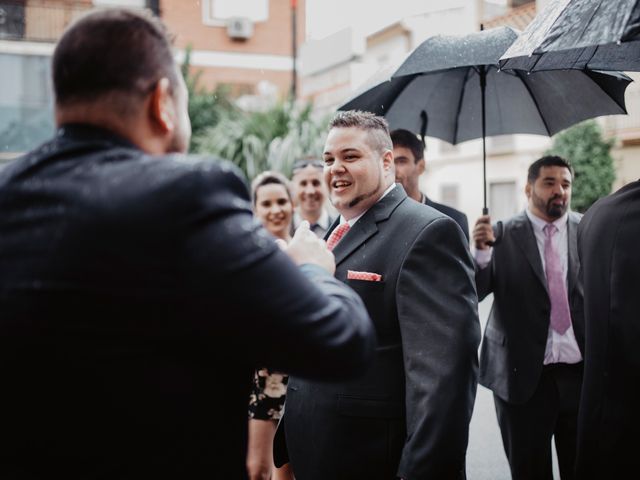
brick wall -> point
(184, 18)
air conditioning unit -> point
(239, 28)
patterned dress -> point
(266, 401)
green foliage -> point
(266, 140)
(206, 107)
(255, 141)
(590, 156)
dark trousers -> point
(527, 428)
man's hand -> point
(483, 233)
(306, 247)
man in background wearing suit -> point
(609, 419)
(408, 155)
(310, 194)
(409, 416)
(533, 343)
(137, 291)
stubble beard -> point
(361, 198)
(552, 211)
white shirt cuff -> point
(483, 257)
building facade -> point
(245, 44)
(454, 175)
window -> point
(12, 21)
(500, 144)
(449, 195)
(26, 102)
(502, 200)
(217, 12)
(121, 3)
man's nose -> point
(337, 166)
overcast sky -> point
(325, 17)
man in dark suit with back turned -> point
(137, 292)
(533, 343)
(408, 155)
(609, 419)
(409, 416)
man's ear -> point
(420, 165)
(161, 107)
(527, 189)
(387, 160)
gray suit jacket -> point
(515, 337)
(409, 415)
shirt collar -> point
(539, 224)
(324, 221)
(355, 219)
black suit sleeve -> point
(464, 224)
(438, 316)
(299, 320)
(484, 279)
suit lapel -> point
(367, 226)
(526, 240)
(572, 235)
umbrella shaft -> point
(483, 85)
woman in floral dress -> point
(273, 205)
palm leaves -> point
(267, 140)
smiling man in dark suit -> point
(408, 155)
(531, 354)
(409, 416)
(137, 291)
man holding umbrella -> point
(533, 344)
(600, 35)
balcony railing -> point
(35, 21)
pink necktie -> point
(560, 314)
(337, 235)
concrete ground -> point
(486, 459)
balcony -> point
(38, 21)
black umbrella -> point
(450, 86)
(579, 34)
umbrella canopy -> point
(579, 34)
(450, 84)
(447, 89)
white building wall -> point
(461, 165)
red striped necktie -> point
(337, 235)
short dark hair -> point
(365, 121)
(266, 178)
(407, 139)
(546, 161)
(111, 51)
